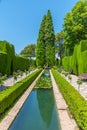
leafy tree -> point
(59, 47)
(29, 51)
(45, 51)
(75, 26)
(49, 40)
(40, 49)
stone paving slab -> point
(67, 121)
(7, 121)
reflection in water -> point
(37, 113)
(46, 104)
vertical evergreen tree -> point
(45, 50)
(40, 48)
(49, 40)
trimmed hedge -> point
(74, 62)
(8, 96)
(67, 63)
(84, 61)
(76, 103)
(7, 59)
(3, 61)
(83, 45)
(21, 63)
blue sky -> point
(20, 19)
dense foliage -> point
(21, 63)
(75, 26)
(59, 47)
(40, 48)
(76, 103)
(28, 51)
(45, 51)
(77, 62)
(7, 54)
(8, 96)
(9, 61)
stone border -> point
(7, 121)
(67, 121)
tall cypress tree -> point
(45, 50)
(40, 48)
(49, 40)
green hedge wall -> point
(74, 62)
(8, 49)
(21, 63)
(3, 61)
(84, 61)
(83, 45)
(8, 96)
(67, 63)
(76, 103)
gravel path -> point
(10, 80)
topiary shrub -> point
(21, 63)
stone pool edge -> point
(67, 122)
(7, 121)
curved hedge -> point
(76, 103)
(8, 96)
(74, 62)
(67, 63)
(21, 63)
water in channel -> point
(38, 112)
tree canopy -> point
(28, 51)
(59, 47)
(75, 26)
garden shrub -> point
(76, 103)
(8, 96)
(21, 63)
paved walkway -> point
(83, 87)
(66, 120)
(6, 122)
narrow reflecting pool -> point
(38, 112)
